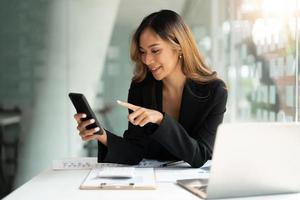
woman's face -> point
(158, 55)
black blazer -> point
(191, 138)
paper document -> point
(182, 171)
(116, 172)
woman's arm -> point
(130, 148)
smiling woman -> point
(175, 101)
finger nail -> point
(118, 101)
(97, 129)
(83, 116)
(92, 120)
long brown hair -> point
(171, 28)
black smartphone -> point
(82, 106)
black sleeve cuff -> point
(102, 149)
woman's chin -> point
(157, 77)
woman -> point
(175, 101)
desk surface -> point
(64, 185)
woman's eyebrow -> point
(151, 45)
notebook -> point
(252, 159)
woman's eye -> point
(155, 51)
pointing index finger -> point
(128, 105)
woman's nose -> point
(148, 59)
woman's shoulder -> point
(218, 85)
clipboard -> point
(143, 179)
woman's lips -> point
(154, 70)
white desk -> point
(64, 185)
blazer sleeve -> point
(130, 148)
(194, 148)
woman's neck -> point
(174, 82)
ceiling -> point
(131, 12)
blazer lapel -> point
(193, 103)
(195, 99)
(152, 95)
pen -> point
(172, 163)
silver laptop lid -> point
(255, 159)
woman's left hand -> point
(141, 116)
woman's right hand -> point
(89, 134)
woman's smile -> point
(155, 70)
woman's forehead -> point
(149, 38)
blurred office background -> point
(51, 47)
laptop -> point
(252, 159)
